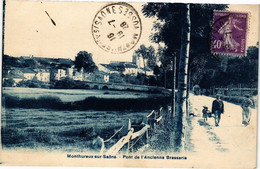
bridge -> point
(121, 86)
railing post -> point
(147, 136)
(129, 142)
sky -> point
(29, 30)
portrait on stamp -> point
(129, 84)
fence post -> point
(147, 136)
(129, 142)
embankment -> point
(89, 103)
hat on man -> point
(217, 95)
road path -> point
(230, 145)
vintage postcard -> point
(129, 84)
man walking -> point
(246, 113)
(217, 109)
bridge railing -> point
(138, 141)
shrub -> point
(65, 84)
(8, 83)
(31, 83)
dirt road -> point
(230, 145)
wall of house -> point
(29, 76)
(106, 78)
(60, 74)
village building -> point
(107, 68)
(130, 69)
(106, 78)
(15, 77)
(78, 75)
(98, 76)
(61, 74)
(43, 75)
(27, 73)
(148, 71)
(69, 72)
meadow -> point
(69, 120)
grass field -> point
(61, 130)
(69, 120)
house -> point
(27, 73)
(148, 71)
(69, 72)
(130, 69)
(140, 62)
(43, 75)
(15, 77)
(19, 74)
(63, 63)
(78, 75)
(106, 78)
(107, 68)
(97, 76)
(61, 74)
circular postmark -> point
(117, 28)
(229, 32)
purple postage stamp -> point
(229, 33)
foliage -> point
(115, 78)
(34, 83)
(84, 60)
(156, 70)
(235, 70)
(8, 60)
(65, 84)
(131, 79)
(168, 29)
(147, 53)
(8, 83)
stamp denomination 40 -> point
(117, 28)
(229, 33)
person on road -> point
(205, 112)
(217, 109)
(246, 113)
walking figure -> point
(205, 112)
(217, 109)
(246, 113)
(226, 30)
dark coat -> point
(218, 105)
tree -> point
(237, 71)
(84, 60)
(183, 72)
(175, 21)
(147, 53)
(156, 71)
(65, 84)
(168, 31)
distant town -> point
(31, 71)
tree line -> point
(185, 29)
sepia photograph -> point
(129, 84)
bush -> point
(8, 83)
(42, 102)
(31, 84)
(65, 84)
